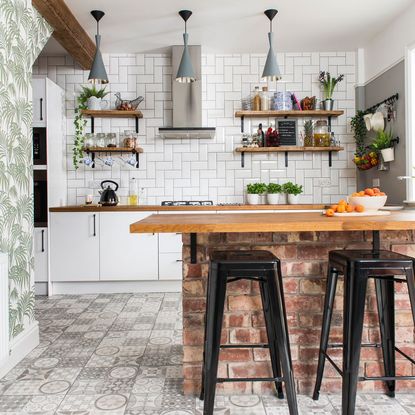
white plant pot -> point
(273, 198)
(94, 103)
(253, 199)
(283, 199)
(388, 154)
(293, 199)
(263, 199)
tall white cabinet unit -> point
(48, 113)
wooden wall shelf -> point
(112, 114)
(291, 113)
(286, 150)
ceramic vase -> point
(273, 198)
(253, 199)
(293, 199)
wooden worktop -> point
(271, 222)
(141, 208)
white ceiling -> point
(237, 26)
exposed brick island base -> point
(304, 261)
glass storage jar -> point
(100, 139)
(111, 140)
(89, 140)
(130, 139)
(321, 134)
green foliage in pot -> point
(292, 189)
(360, 131)
(256, 188)
(274, 188)
(329, 83)
(80, 122)
(382, 141)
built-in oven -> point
(40, 197)
(39, 146)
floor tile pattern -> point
(121, 354)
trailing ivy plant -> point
(359, 129)
(80, 122)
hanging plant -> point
(364, 157)
(80, 122)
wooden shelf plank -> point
(282, 149)
(292, 113)
(113, 150)
(112, 114)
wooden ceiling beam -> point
(67, 30)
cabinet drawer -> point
(170, 242)
(170, 266)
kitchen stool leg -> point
(277, 304)
(355, 286)
(272, 340)
(202, 386)
(214, 318)
(410, 279)
(332, 277)
(385, 297)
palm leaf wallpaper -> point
(23, 34)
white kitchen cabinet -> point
(41, 254)
(74, 246)
(39, 102)
(125, 255)
(170, 242)
(170, 266)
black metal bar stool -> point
(357, 266)
(264, 267)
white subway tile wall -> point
(209, 169)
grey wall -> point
(383, 86)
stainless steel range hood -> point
(187, 101)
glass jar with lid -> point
(321, 134)
(89, 140)
(100, 139)
(111, 140)
(130, 139)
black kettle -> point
(108, 195)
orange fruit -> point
(349, 208)
(329, 212)
(359, 208)
(342, 202)
(334, 207)
(355, 194)
(341, 208)
(362, 193)
(376, 190)
(381, 194)
(369, 192)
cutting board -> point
(368, 213)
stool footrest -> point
(385, 378)
(224, 380)
(340, 345)
(244, 346)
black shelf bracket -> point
(92, 125)
(137, 157)
(243, 159)
(136, 125)
(242, 124)
(329, 122)
(330, 159)
(286, 159)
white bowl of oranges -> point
(371, 199)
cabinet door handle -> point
(43, 240)
(179, 260)
(41, 109)
(95, 230)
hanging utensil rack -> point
(390, 100)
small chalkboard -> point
(288, 132)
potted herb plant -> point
(383, 144)
(93, 97)
(254, 192)
(80, 122)
(293, 192)
(329, 84)
(273, 193)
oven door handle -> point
(43, 240)
(95, 230)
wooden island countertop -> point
(272, 222)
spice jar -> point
(321, 134)
(100, 139)
(89, 140)
(130, 139)
(264, 99)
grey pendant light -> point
(271, 70)
(98, 74)
(185, 73)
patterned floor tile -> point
(121, 354)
